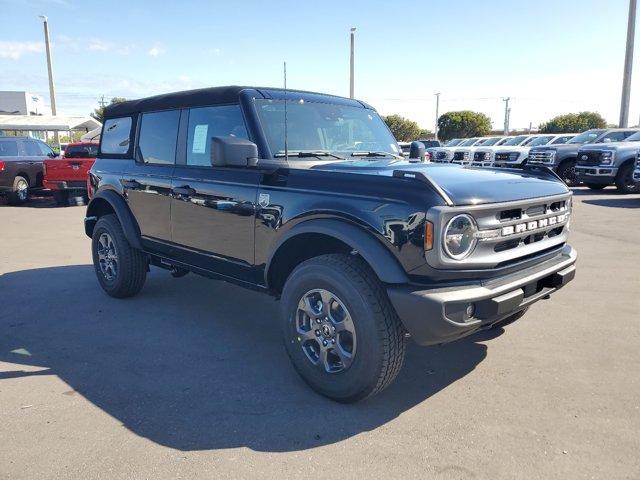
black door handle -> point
(184, 190)
(130, 184)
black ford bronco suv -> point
(306, 197)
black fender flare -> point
(119, 206)
(380, 259)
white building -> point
(22, 103)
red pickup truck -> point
(67, 175)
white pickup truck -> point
(486, 156)
(464, 155)
(445, 154)
(516, 156)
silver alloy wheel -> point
(107, 257)
(22, 190)
(326, 331)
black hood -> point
(465, 185)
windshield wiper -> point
(376, 154)
(315, 153)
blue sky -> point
(550, 57)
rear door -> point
(147, 184)
(213, 207)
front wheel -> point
(120, 268)
(341, 333)
(624, 179)
(567, 172)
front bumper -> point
(599, 174)
(440, 315)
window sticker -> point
(200, 139)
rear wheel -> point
(595, 186)
(624, 179)
(61, 197)
(340, 331)
(567, 172)
(120, 268)
(20, 192)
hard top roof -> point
(213, 96)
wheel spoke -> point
(306, 335)
(327, 299)
(324, 359)
(306, 307)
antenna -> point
(286, 139)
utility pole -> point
(52, 89)
(102, 103)
(351, 64)
(437, 108)
(628, 64)
(507, 111)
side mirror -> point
(233, 151)
(416, 151)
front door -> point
(213, 207)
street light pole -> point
(351, 64)
(628, 64)
(52, 88)
(435, 136)
(507, 112)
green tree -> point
(98, 113)
(403, 129)
(463, 124)
(573, 123)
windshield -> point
(515, 140)
(325, 127)
(453, 142)
(490, 141)
(469, 142)
(537, 141)
(81, 151)
(587, 137)
(633, 138)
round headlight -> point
(459, 236)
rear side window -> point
(81, 151)
(8, 148)
(116, 136)
(616, 136)
(158, 136)
(208, 122)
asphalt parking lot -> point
(189, 379)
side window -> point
(208, 122)
(116, 136)
(158, 136)
(44, 149)
(31, 149)
(8, 148)
(615, 137)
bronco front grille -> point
(507, 232)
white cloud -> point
(15, 50)
(97, 45)
(156, 51)
(215, 51)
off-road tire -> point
(509, 320)
(624, 179)
(19, 196)
(132, 263)
(567, 172)
(61, 197)
(596, 186)
(381, 342)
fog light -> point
(471, 309)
